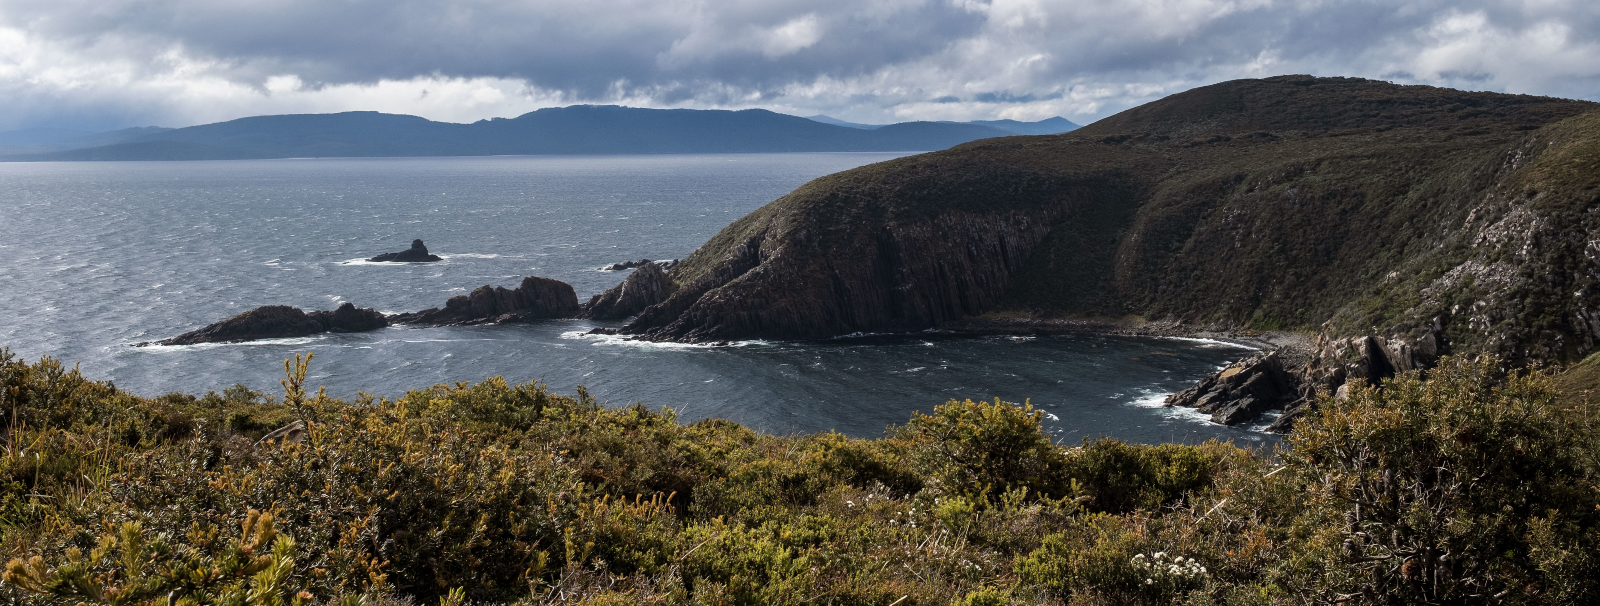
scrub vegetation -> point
(1468, 486)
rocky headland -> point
(418, 253)
(282, 321)
(1388, 225)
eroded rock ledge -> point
(282, 321)
(535, 299)
(1290, 379)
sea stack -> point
(418, 253)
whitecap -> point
(154, 347)
(1213, 343)
(629, 341)
(470, 256)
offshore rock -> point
(418, 253)
(282, 321)
(1242, 391)
(646, 286)
(536, 299)
(626, 264)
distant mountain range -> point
(579, 129)
(1048, 126)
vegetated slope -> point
(580, 129)
(1444, 219)
(1443, 491)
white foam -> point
(1157, 400)
(364, 261)
(1213, 343)
(470, 256)
(629, 341)
(204, 346)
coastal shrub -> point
(972, 447)
(1467, 486)
(1120, 477)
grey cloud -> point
(869, 60)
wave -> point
(1213, 343)
(153, 347)
(629, 341)
(469, 256)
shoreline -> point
(1292, 343)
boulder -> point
(1242, 391)
(418, 253)
(282, 321)
(536, 299)
(646, 286)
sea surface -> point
(100, 256)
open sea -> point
(99, 256)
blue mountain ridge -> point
(578, 129)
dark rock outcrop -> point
(536, 299)
(646, 286)
(626, 265)
(418, 253)
(283, 321)
(1337, 365)
(1242, 391)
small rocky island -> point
(536, 299)
(282, 321)
(418, 253)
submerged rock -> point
(282, 321)
(536, 299)
(646, 286)
(418, 253)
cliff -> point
(1436, 220)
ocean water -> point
(101, 256)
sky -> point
(103, 64)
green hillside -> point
(1407, 212)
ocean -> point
(100, 256)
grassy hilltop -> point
(1469, 487)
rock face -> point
(418, 253)
(1336, 365)
(1242, 391)
(536, 299)
(646, 286)
(283, 321)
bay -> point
(101, 256)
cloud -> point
(105, 63)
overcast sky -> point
(99, 64)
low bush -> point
(1465, 486)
